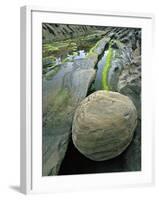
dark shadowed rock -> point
(132, 156)
(103, 125)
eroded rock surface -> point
(62, 92)
(62, 31)
(103, 125)
(67, 85)
(125, 77)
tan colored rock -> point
(103, 125)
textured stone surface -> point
(103, 125)
(125, 72)
(125, 77)
(64, 31)
(64, 90)
(129, 82)
(62, 93)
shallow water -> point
(58, 52)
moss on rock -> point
(106, 68)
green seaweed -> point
(105, 85)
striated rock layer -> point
(64, 90)
(62, 93)
(56, 32)
(103, 125)
(125, 77)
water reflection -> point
(59, 52)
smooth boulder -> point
(103, 125)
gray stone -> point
(52, 32)
(62, 92)
(103, 125)
(126, 79)
(129, 82)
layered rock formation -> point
(125, 77)
(62, 93)
(104, 125)
(67, 84)
(52, 32)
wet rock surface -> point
(104, 125)
(62, 92)
(68, 82)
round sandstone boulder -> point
(103, 125)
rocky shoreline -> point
(73, 80)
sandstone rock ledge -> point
(103, 125)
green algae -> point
(105, 85)
(59, 52)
